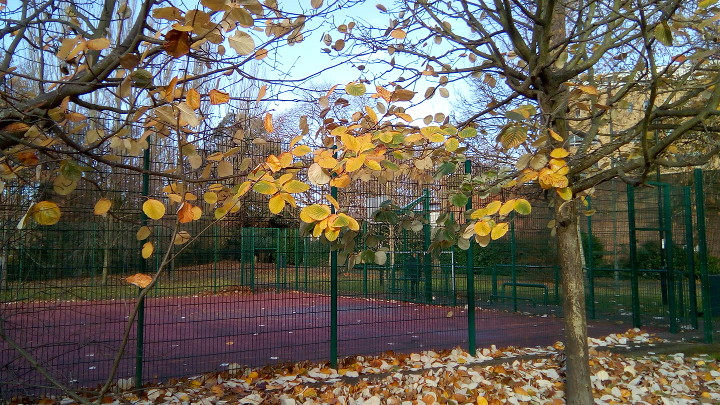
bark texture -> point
(577, 386)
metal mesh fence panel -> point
(250, 290)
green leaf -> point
(663, 34)
(522, 206)
(355, 89)
(513, 136)
(367, 256)
(706, 3)
(468, 132)
(458, 200)
(390, 165)
(71, 170)
(445, 169)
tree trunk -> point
(577, 386)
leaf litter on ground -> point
(492, 376)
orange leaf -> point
(267, 122)
(398, 34)
(192, 98)
(177, 43)
(185, 213)
(27, 158)
(139, 279)
(261, 93)
(218, 97)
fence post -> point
(140, 321)
(470, 273)
(513, 262)
(277, 259)
(690, 254)
(590, 264)
(634, 287)
(669, 260)
(364, 265)
(296, 239)
(333, 297)
(242, 256)
(215, 257)
(426, 247)
(703, 256)
(252, 258)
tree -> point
(84, 96)
(557, 74)
(92, 91)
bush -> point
(597, 249)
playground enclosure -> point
(651, 259)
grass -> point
(612, 296)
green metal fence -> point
(251, 290)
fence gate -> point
(661, 254)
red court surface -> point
(185, 336)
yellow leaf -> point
(181, 237)
(559, 153)
(354, 163)
(507, 207)
(295, 186)
(452, 144)
(210, 197)
(478, 213)
(332, 234)
(340, 181)
(333, 201)
(196, 212)
(98, 44)
(276, 204)
(482, 228)
(554, 135)
(139, 279)
(373, 164)
(301, 150)
(589, 90)
(315, 212)
(147, 250)
(564, 193)
(499, 230)
(481, 400)
(327, 162)
(154, 209)
(102, 206)
(192, 98)
(493, 207)
(218, 97)
(221, 212)
(45, 213)
(265, 187)
(371, 114)
(319, 228)
(355, 89)
(143, 233)
(352, 224)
